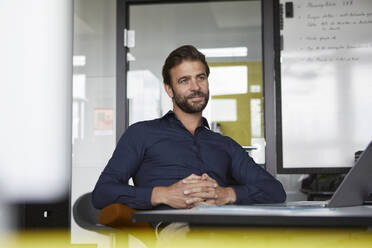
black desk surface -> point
(263, 216)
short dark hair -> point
(177, 56)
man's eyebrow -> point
(202, 74)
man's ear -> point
(169, 90)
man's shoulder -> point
(139, 130)
(143, 125)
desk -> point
(266, 227)
(252, 237)
(359, 216)
(217, 236)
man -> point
(176, 161)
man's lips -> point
(196, 98)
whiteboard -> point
(326, 82)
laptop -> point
(354, 189)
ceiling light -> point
(225, 52)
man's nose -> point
(194, 85)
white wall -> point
(35, 99)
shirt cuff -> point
(143, 196)
(240, 193)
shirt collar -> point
(171, 114)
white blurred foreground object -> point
(35, 99)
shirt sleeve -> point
(255, 185)
(112, 185)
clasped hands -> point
(193, 190)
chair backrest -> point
(85, 215)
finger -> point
(192, 201)
(205, 184)
(190, 181)
(192, 177)
(210, 183)
(211, 201)
(204, 195)
(199, 189)
(195, 178)
(205, 176)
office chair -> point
(114, 219)
(113, 216)
(85, 215)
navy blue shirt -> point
(161, 152)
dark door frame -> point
(122, 65)
(268, 55)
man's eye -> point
(201, 77)
(183, 80)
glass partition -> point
(229, 34)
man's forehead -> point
(189, 66)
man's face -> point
(189, 89)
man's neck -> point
(190, 121)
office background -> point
(100, 85)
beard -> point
(191, 108)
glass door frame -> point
(122, 67)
